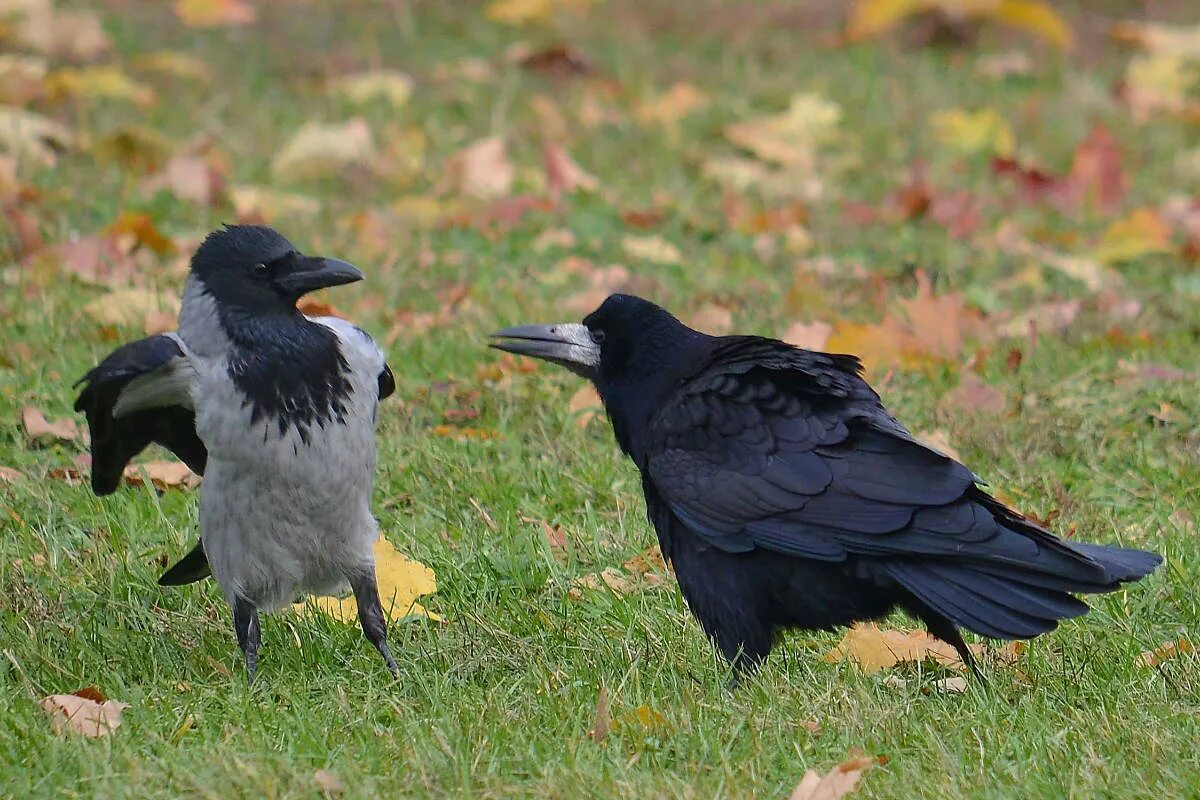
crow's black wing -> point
(774, 447)
(137, 395)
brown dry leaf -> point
(389, 85)
(73, 35)
(96, 259)
(189, 177)
(481, 169)
(327, 782)
(973, 395)
(163, 475)
(560, 61)
(40, 430)
(668, 108)
(938, 439)
(648, 564)
(22, 79)
(585, 404)
(1051, 317)
(1165, 652)
(130, 306)
(83, 715)
(937, 324)
(324, 149)
(10, 475)
(874, 649)
(159, 322)
(1097, 177)
(601, 720)
(652, 248)
(564, 176)
(28, 135)
(838, 782)
(215, 13)
(809, 335)
(713, 319)
(139, 230)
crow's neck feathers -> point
(290, 369)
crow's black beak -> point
(568, 344)
(313, 272)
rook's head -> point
(626, 337)
(254, 268)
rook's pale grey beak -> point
(311, 273)
(568, 344)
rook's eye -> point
(597, 336)
(261, 270)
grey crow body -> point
(276, 409)
(785, 495)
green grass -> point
(498, 701)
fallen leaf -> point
(28, 135)
(1160, 84)
(1140, 234)
(713, 319)
(481, 169)
(40, 430)
(83, 715)
(1096, 177)
(838, 782)
(956, 685)
(651, 248)
(139, 229)
(558, 60)
(1150, 371)
(585, 404)
(327, 782)
(870, 19)
(102, 82)
(793, 137)
(188, 177)
(601, 719)
(1086, 270)
(22, 79)
(939, 440)
(174, 64)
(129, 307)
(526, 12)
(670, 107)
(325, 149)
(1052, 317)
(1165, 652)
(389, 85)
(263, 204)
(215, 13)
(10, 475)
(163, 475)
(874, 649)
(809, 335)
(640, 721)
(73, 35)
(401, 581)
(1004, 65)
(973, 132)
(973, 395)
(1160, 37)
(564, 176)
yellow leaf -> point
(325, 149)
(673, 105)
(874, 649)
(525, 12)
(870, 18)
(1141, 233)
(173, 64)
(1036, 17)
(107, 83)
(130, 306)
(973, 132)
(792, 137)
(652, 248)
(401, 581)
(214, 13)
(270, 204)
(1161, 83)
(27, 134)
(389, 85)
(1180, 41)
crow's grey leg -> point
(370, 615)
(245, 625)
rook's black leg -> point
(370, 615)
(245, 625)
(945, 630)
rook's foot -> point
(245, 625)
(370, 615)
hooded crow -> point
(276, 409)
(785, 495)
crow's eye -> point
(597, 336)
(261, 270)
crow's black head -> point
(253, 268)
